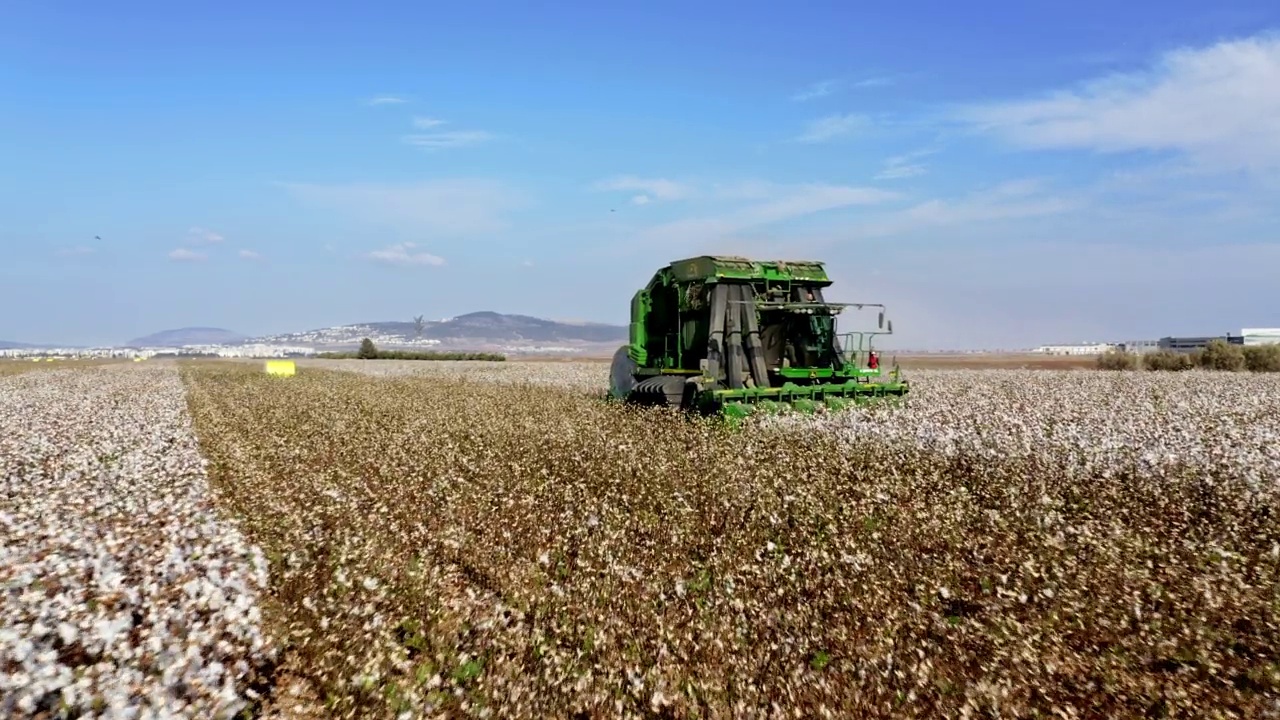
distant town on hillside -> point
(474, 332)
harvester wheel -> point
(661, 390)
(622, 378)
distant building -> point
(1075, 349)
(1138, 347)
(1260, 336)
(1247, 336)
(1191, 344)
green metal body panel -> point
(748, 334)
(713, 268)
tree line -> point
(369, 351)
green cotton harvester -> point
(732, 336)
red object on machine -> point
(873, 361)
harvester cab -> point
(729, 335)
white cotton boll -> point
(103, 498)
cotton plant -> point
(126, 592)
(490, 540)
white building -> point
(1138, 346)
(1260, 336)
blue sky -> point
(999, 174)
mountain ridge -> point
(178, 337)
(475, 330)
(485, 327)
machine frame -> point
(733, 335)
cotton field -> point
(125, 592)
(441, 539)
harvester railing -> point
(857, 353)
(835, 307)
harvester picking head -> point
(732, 336)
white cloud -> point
(799, 200)
(825, 88)
(425, 123)
(904, 166)
(816, 90)
(403, 254)
(944, 213)
(1219, 105)
(386, 100)
(640, 200)
(881, 81)
(1016, 199)
(745, 190)
(833, 126)
(895, 169)
(659, 188)
(1021, 187)
(201, 236)
(448, 139)
(980, 217)
(769, 204)
(438, 207)
(187, 255)
(249, 255)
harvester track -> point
(661, 390)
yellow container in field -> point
(283, 368)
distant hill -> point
(497, 326)
(188, 336)
(6, 345)
(477, 329)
